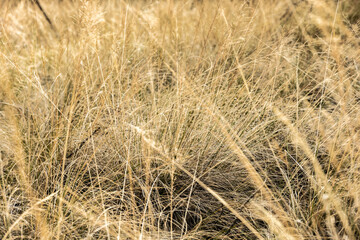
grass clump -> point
(179, 120)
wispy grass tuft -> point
(179, 120)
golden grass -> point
(180, 120)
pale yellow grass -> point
(180, 120)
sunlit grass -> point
(179, 120)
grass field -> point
(180, 119)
